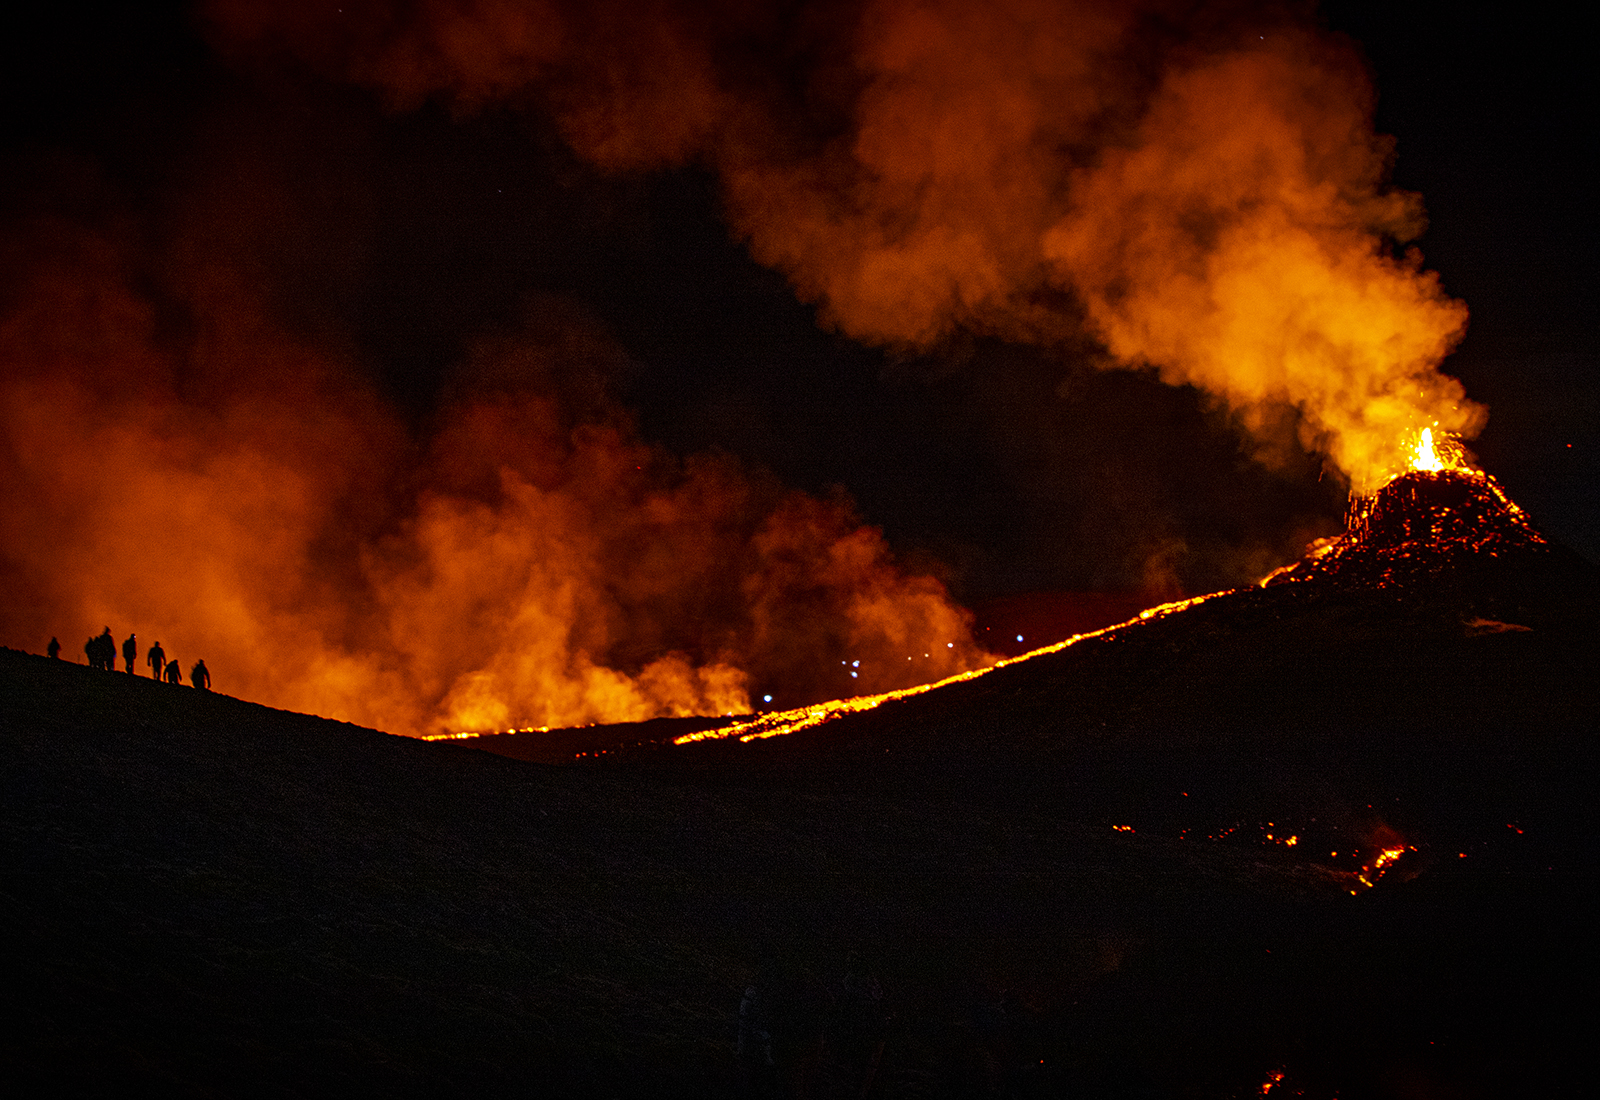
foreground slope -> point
(1071, 877)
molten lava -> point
(778, 723)
(1423, 520)
(1425, 457)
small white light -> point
(949, 645)
(853, 675)
(766, 698)
(1019, 637)
(855, 664)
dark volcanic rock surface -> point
(1072, 877)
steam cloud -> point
(1202, 193)
(1201, 187)
(242, 496)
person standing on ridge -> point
(200, 676)
(157, 660)
(130, 650)
(174, 673)
(54, 649)
(102, 651)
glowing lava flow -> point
(1386, 858)
(778, 723)
(465, 735)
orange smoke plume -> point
(1240, 244)
(238, 495)
(1199, 188)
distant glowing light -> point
(766, 698)
(1019, 637)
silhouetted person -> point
(54, 649)
(174, 673)
(130, 650)
(157, 660)
(101, 651)
(199, 677)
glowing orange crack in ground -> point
(779, 723)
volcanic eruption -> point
(1207, 205)
(1434, 517)
(1443, 537)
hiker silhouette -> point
(200, 676)
(54, 649)
(101, 651)
(174, 673)
(130, 650)
(157, 660)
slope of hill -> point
(1074, 876)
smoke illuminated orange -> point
(530, 562)
(1221, 214)
(1217, 211)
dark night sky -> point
(415, 233)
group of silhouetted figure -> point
(102, 653)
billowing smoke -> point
(1199, 187)
(176, 462)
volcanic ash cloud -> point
(1198, 188)
(175, 463)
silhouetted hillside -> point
(1072, 877)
